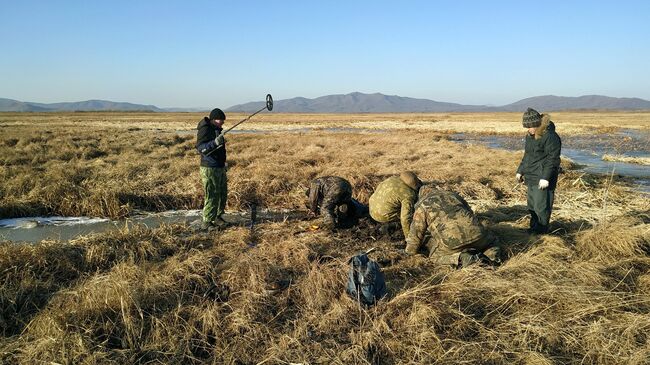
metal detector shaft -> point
(242, 121)
(268, 106)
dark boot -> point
(208, 226)
(470, 257)
(220, 223)
(534, 222)
(540, 229)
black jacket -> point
(206, 146)
(542, 155)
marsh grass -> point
(172, 295)
(627, 159)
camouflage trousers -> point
(215, 188)
(441, 254)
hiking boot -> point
(208, 226)
(467, 258)
(539, 229)
(220, 223)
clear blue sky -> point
(221, 53)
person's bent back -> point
(444, 223)
(394, 198)
(326, 194)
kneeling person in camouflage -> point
(392, 202)
(444, 223)
(329, 194)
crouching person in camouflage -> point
(331, 197)
(444, 223)
(392, 202)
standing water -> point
(587, 151)
(36, 229)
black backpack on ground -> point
(365, 281)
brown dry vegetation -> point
(619, 158)
(581, 295)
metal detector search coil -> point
(268, 106)
(269, 102)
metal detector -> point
(268, 106)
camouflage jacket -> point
(328, 191)
(393, 200)
(447, 219)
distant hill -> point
(9, 105)
(555, 103)
(379, 103)
(358, 103)
(186, 110)
(355, 102)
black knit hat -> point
(532, 119)
(217, 114)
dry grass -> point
(581, 295)
(490, 123)
(627, 159)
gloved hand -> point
(220, 140)
(543, 184)
(519, 177)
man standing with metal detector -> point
(211, 144)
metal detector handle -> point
(268, 106)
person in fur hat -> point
(539, 168)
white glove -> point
(519, 177)
(220, 139)
(543, 184)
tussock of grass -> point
(627, 159)
(623, 237)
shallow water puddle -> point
(36, 229)
(586, 151)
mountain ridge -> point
(355, 102)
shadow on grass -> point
(510, 223)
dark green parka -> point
(542, 155)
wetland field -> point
(276, 294)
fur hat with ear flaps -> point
(411, 179)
